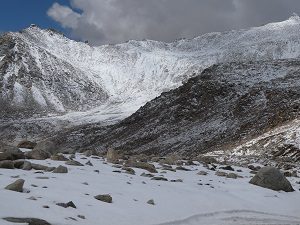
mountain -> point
(49, 82)
(225, 105)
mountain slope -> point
(44, 75)
(226, 104)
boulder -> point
(37, 154)
(26, 165)
(104, 198)
(271, 178)
(38, 166)
(46, 146)
(232, 176)
(60, 169)
(26, 144)
(8, 152)
(16, 186)
(7, 164)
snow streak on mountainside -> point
(43, 72)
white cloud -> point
(64, 15)
(113, 21)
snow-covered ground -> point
(197, 200)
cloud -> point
(114, 21)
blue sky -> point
(19, 14)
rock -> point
(59, 157)
(29, 221)
(8, 152)
(141, 165)
(50, 169)
(232, 176)
(46, 146)
(66, 205)
(7, 164)
(159, 178)
(81, 217)
(112, 156)
(271, 178)
(104, 198)
(26, 144)
(37, 154)
(182, 168)
(129, 170)
(38, 166)
(177, 181)
(89, 163)
(221, 174)
(16, 186)
(227, 168)
(18, 163)
(147, 175)
(202, 173)
(60, 169)
(73, 163)
(151, 202)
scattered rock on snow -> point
(151, 202)
(60, 169)
(271, 178)
(159, 178)
(104, 198)
(16, 186)
(66, 205)
(29, 221)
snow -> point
(38, 97)
(230, 201)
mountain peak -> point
(295, 16)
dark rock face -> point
(227, 103)
(271, 178)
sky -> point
(116, 21)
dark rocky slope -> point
(226, 104)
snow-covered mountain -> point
(43, 73)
